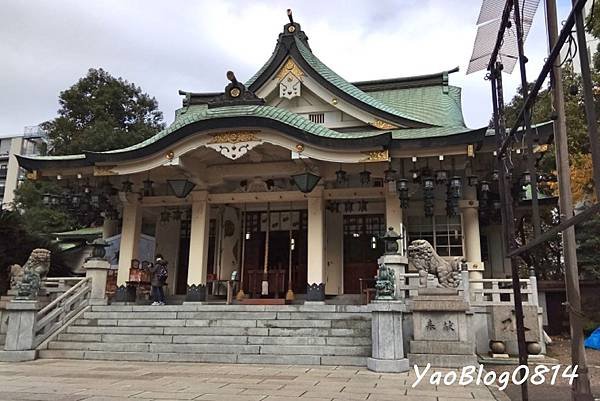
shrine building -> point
(292, 176)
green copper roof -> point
(350, 89)
(427, 103)
(195, 113)
(433, 132)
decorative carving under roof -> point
(234, 144)
(290, 66)
(235, 94)
(376, 156)
(382, 125)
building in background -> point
(33, 142)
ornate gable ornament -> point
(290, 80)
(234, 144)
(236, 94)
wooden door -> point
(362, 247)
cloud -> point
(165, 46)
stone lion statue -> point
(16, 276)
(423, 257)
(34, 271)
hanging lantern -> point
(75, 199)
(456, 186)
(341, 177)
(348, 206)
(148, 189)
(472, 180)
(164, 216)
(306, 181)
(126, 186)
(414, 172)
(176, 214)
(47, 198)
(495, 175)
(181, 188)
(389, 174)
(402, 189)
(526, 178)
(365, 177)
(441, 175)
(428, 200)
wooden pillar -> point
(472, 240)
(393, 211)
(315, 290)
(198, 260)
(130, 239)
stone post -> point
(97, 270)
(20, 335)
(387, 337)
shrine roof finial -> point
(290, 16)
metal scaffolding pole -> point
(508, 221)
(581, 390)
(535, 215)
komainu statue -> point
(34, 271)
(423, 257)
(16, 276)
(385, 284)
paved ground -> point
(114, 381)
(560, 349)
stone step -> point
(232, 308)
(209, 315)
(216, 348)
(218, 358)
(220, 339)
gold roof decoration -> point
(289, 66)
(376, 156)
(382, 125)
(234, 137)
(101, 171)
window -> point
(318, 118)
(444, 233)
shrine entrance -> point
(362, 247)
(280, 238)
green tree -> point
(13, 251)
(38, 217)
(101, 112)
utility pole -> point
(581, 390)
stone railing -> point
(500, 292)
(56, 286)
(61, 310)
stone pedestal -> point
(398, 263)
(502, 330)
(20, 334)
(97, 269)
(442, 333)
(386, 334)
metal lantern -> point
(176, 214)
(526, 178)
(389, 174)
(402, 188)
(495, 175)
(306, 181)
(390, 241)
(441, 176)
(126, 186)
(472, 180)
(165, 216)
(365, 177)
(75, 199)
(148, 189)
(341, 177)
(181, 188)
(455, 186)
(485, 186)
(428, 196)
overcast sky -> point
(164, 46)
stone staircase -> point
(280, 334)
